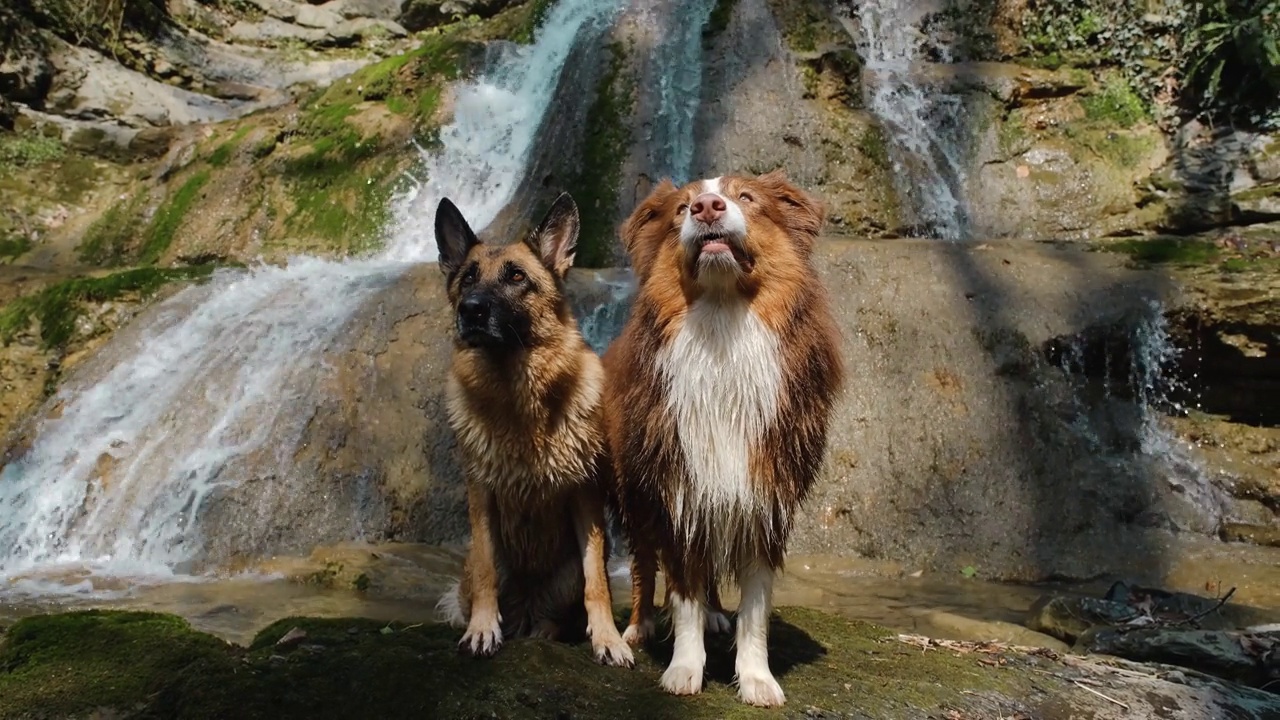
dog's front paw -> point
(483, 636)
(639, 633)
(717, 622)
(613, 651)
(760, 690)
(682, 679)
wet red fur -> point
(784, 291)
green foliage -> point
(719, 19)
(1233, 58)
(608, 138)
(58, 306)
(22, 150)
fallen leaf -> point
(1023, 171)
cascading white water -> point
(116, 481)
(677, 60)
(924, 137)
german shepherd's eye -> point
(470, 276)
(515, 275)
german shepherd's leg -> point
(688, 616)
(644, 569)
(608, 645)
(717, 618)
(756, 684)
(484, 629)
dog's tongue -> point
(715, 246)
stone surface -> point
(350, 32)
(1247, 657)
(345, 667)
(377, 9)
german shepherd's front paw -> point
(483, 636)
(613, 651)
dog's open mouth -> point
(716, 244)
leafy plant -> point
(1237, 41)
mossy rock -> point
(152, 665)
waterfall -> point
(677, 69)
(924, 126)
(116, 481)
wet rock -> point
(1067, 618)
(961, 626)
(1256, 534)
(828, 667)
(1249, 658)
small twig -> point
(1221, 601)
(1104, 697)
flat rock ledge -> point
(137, 664)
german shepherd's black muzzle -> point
(485, 319)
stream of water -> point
(115, 482)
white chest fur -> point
(723, 374)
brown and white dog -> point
(717, 398)
(524, 400)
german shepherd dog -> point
(524, 401)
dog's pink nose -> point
(707, 208)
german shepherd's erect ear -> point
(555, 241)
(454, 237)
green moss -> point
(1116, 104)
(11, 247)
(150, 665)
(719, 19)
(608, 140)
(58, 306)
(28, 150)
(806, 24)
(165, 224)
(221, 155)
(530, 19)
(1175, 251)
(873, 146)
(109, 240)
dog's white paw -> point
(682, 679)
(483, 636)
(717, 622)
(636, 635)
(760, 690)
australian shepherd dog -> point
(524, 401)
(717, 399)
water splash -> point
(226, 373)
(924, 125)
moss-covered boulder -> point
(145, 665)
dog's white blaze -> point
(723, 373)
(733, 222)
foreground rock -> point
(308, 668)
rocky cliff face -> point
(146, 147)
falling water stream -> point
(116, 481)
(105, 508)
